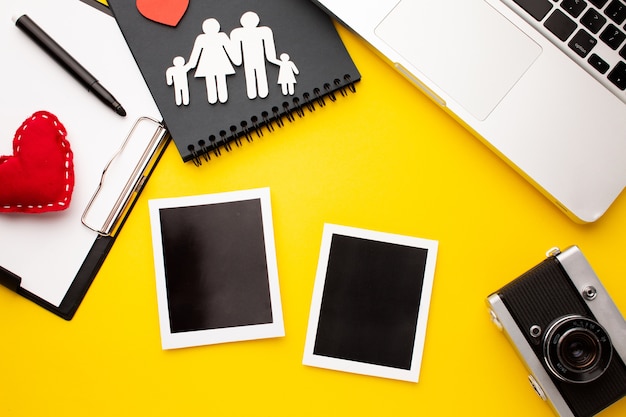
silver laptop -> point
(541, 82)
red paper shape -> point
(39, 176)
(167, 12)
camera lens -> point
(577, 349)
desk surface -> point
(386, 159)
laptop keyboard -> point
(592, 32)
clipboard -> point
(52, 258)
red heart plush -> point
(167, 12)
(39, 176)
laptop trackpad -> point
(465, 47)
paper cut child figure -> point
(254, 44)
(177, 76)
(211, 57)
(287, 75)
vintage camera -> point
(568, 332)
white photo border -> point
(170, 340)
(315, 360)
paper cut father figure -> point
(254, 44)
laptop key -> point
(598, 63)
(616, 11)
(573, 7)
(593, 20)
(560, 25)
(612, 36)
(538, 9)
(582, 43)
(618, 75)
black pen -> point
(72, 66)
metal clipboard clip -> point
(124, 176)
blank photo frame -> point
(370, 303)
(216, 271)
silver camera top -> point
(594, 294)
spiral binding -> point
(289, 111)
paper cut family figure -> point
(214, 53)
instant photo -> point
(216, 272)
(370, 303)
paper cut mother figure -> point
(211, 57)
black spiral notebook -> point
(221, 71)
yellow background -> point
(385, 159)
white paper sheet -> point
(47, 250)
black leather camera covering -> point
(542, 295)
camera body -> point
(568, 331)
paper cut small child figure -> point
(177, 76)
(287, 75)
